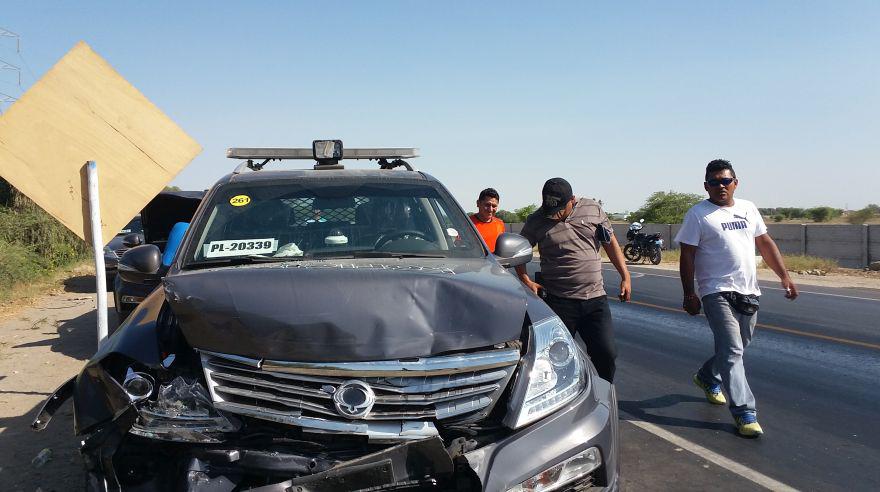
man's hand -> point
(625, 290)
(791, 291)
(533, 286)
(691, 304)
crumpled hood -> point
(353, 311)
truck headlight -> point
(553, 374)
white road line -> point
(722, 461)
(770, 288)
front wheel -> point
(631, 253)
(655, 256)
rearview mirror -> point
(140, 265)
(512, 250)
(132, 240)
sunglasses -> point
(719, 182)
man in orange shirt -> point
(489, 226)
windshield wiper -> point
(389, 254)
(238, 260)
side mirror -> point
(132, 240)
(512, 250)
(140, 265)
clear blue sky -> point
(620, 100)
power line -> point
(5, 65)
(9, 34)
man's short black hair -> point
(719, 165)
(488, 193)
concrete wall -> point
(853, 246)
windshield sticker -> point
(452, 232)
(240, 247)
(239, 200)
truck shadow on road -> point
(639, 410)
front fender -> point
(98, 396)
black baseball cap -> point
(555, 196)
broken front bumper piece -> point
(411, 465)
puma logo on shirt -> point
(733, 226)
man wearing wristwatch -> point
(718, 238)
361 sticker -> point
(239, 247)
(239, 200)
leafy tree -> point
(524, 212)
(820, 214)
(665, 207)
(507, 216)
(172, 188)
(863, 215)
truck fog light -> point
(138, 386)
(557, 476)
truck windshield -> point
(296, 221)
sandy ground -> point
(42, 344)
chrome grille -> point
(461, 387)
(121, 251)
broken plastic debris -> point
(180, 398)
(42, 458)
(182, 412)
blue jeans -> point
(733, 332)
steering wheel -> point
(391, 236)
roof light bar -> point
(282, 153)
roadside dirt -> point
(43, 342)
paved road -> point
(814, 367)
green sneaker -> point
(747, 425)
(713, 391)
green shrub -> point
(18, 264)
(820, 214)
(863, 215)
(664, 207)
(32, 242)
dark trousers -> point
(591, 319)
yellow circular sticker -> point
(239, 200)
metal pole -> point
(98, 246)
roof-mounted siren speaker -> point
(327, 153)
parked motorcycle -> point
(641, 245)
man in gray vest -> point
(569, 232)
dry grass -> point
(24, 294)
(803, 263)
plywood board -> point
(83, 110)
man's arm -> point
(524, 278)
(612, 249)
(691, 302)
(770, 253)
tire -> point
(655, 256)
(631, 253)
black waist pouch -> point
(747, 304)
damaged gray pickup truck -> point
(339, 329)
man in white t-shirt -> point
(718, 239)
